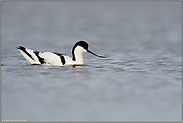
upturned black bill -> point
(96, 54)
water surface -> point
(140, 80)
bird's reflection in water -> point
(77, 66)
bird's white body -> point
(56, 59)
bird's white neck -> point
(78, 51)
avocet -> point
(57, 59)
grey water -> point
(140, 80)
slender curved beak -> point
(95, 54)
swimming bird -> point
(57, 59)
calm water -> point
(139, 81)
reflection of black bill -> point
(96, 54)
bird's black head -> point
(82, 44)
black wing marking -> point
(61, 57)
(24, 49)
(41, 60)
